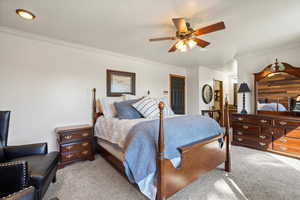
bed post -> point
(160, 156)
(227, 138)
(94, 107)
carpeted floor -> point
(256, 175)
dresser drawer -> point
(294, 133)
(245, 140)
(84, 145)
(238, 132)
(246, 128)
(66, 157)
(287, 123)
(251, 120)
(68, 137)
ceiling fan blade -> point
(162, 38)
(173, 48)
(200, 43)
(180, 24)
(209, 29)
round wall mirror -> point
(207, 93)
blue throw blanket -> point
(141, 148)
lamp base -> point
(244, 111)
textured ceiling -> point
(125, 26)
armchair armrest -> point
(25, 194)
(14, 177)
(12, 152)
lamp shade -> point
(243, 88)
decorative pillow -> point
(148, 107)
(107, 106)
(126, 111)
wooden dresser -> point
(280, 134)
(75, 143)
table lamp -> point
(244, 89)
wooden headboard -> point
(96, 114)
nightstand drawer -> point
(84, 145)
(68, 137)
(75, 143)
(66, 157)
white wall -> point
(47, 83)
(193, 91)
(257, 61)
(198, 77)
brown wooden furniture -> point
(215, 114)
(75, 143)
(196, 159)
(277, 83)
(274, 133)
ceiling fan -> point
(186, 36)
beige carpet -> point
(255, 175)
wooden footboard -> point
(196, 159)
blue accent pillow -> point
(125, 109)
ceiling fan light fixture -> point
(180, 44)
(25, 14)
(192, 43)
(183, 48)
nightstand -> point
(75, 144)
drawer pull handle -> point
(68, 137)
(240, 119)
(84, 134)
(69, 156)
(240, 139)
(282, 123)
(262, 144)
(85, 152)
(283, 148)
(283, 140)
(263, 121)
(245, 127)
(69, 147)
(262, 136)
(239, 133)
(85, 144)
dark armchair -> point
(24, 165)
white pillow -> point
(108, 107)
(130, 97)
(148, 107)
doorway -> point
(218, 98)
(177, 93)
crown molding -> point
(32, 36)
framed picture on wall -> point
(119, 82)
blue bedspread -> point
(141, 148)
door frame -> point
(170, 87)
(221, 97)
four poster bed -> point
(196, 158)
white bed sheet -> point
(115, 130)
